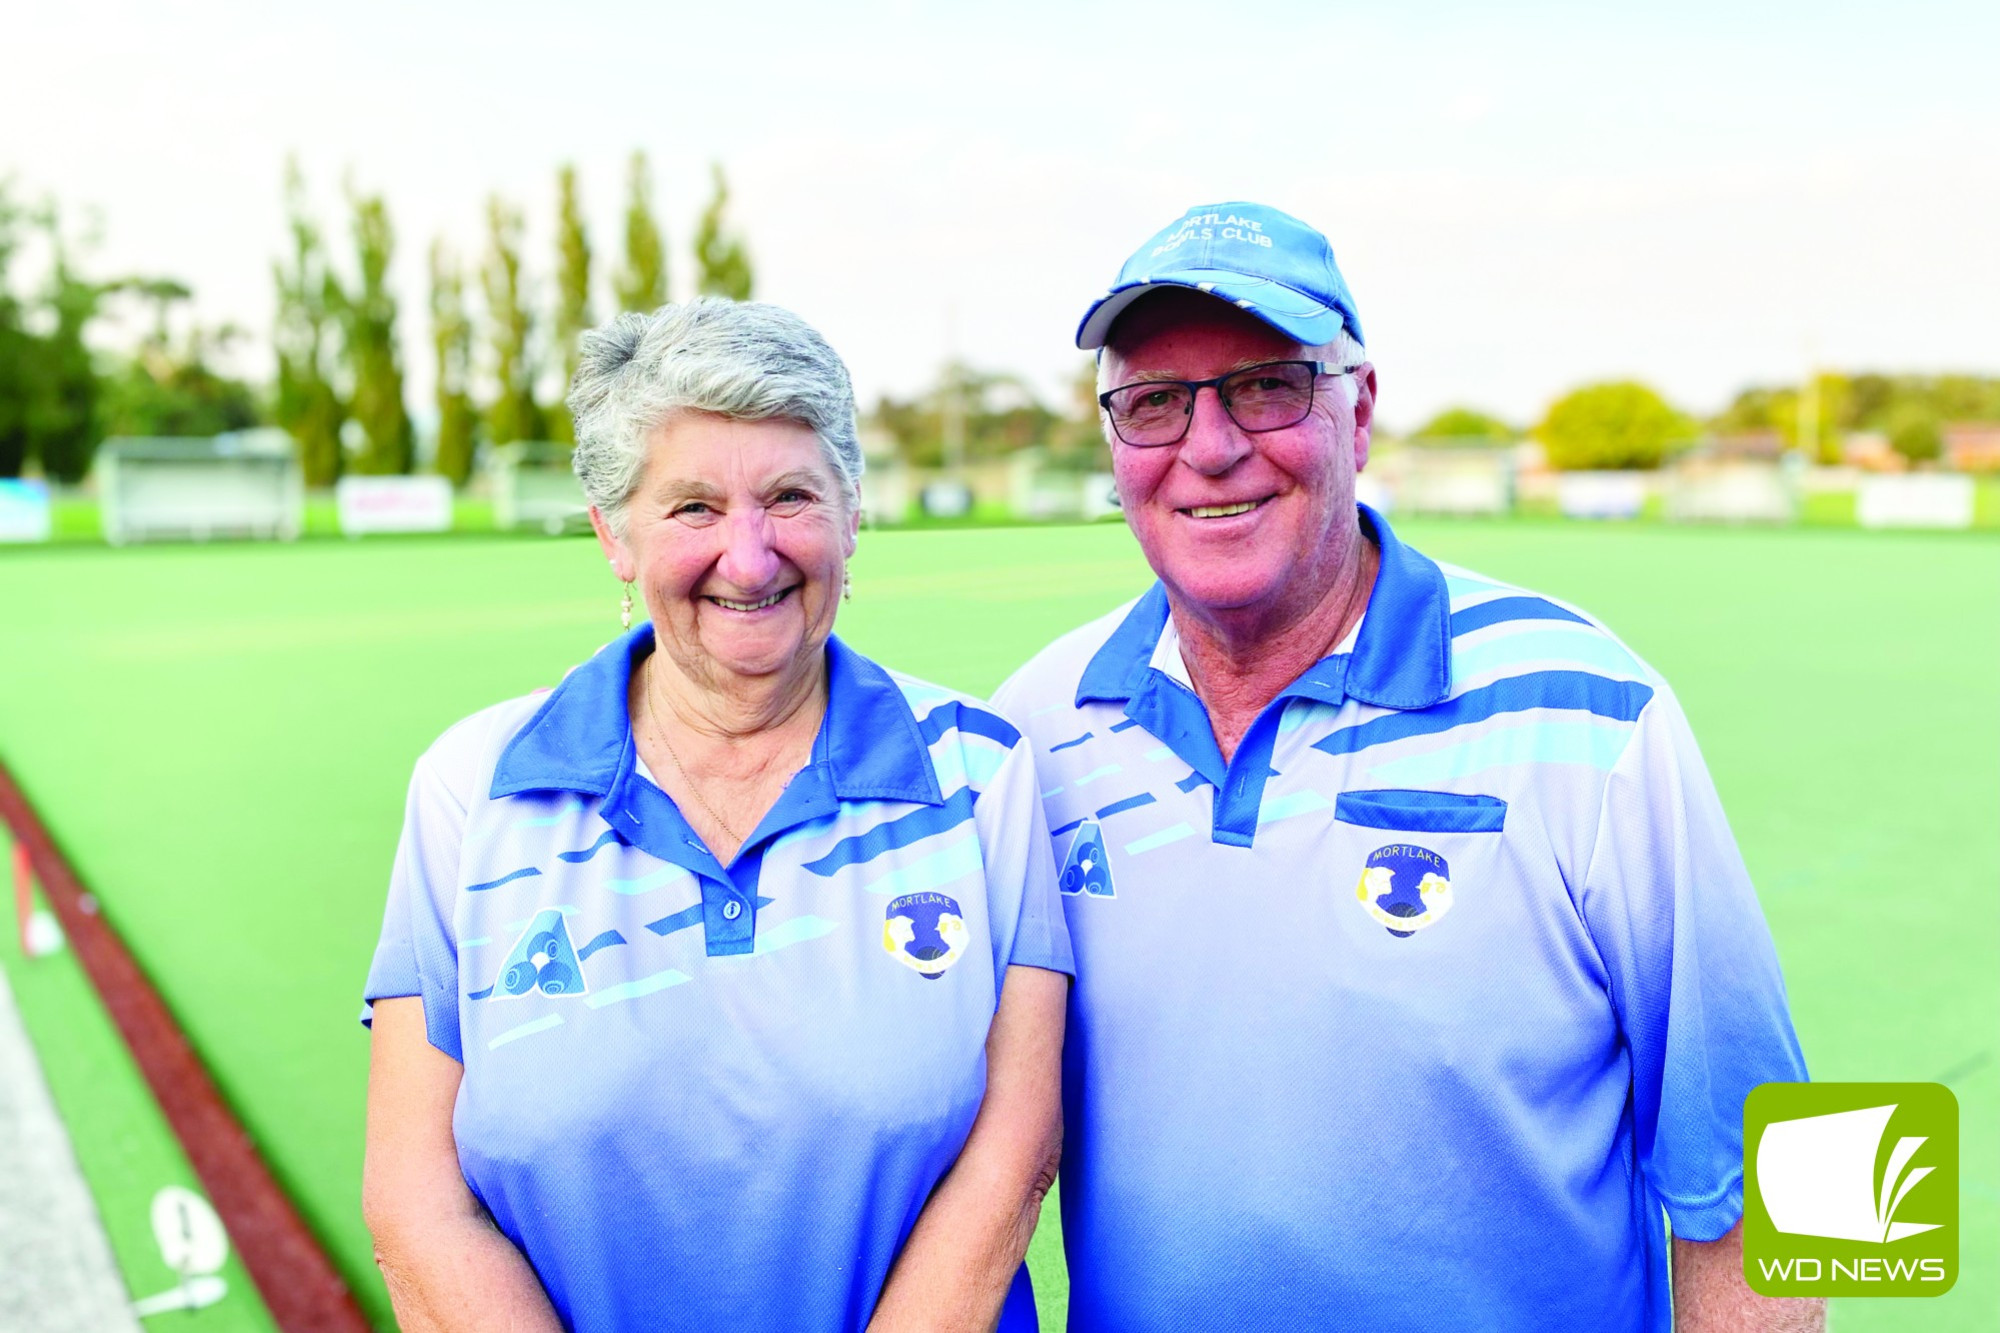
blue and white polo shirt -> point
(700, 1096)
(1418, 1012)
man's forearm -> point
(1710, 1295)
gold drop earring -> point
(846, 585)
(625, 608)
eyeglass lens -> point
(1259, 398)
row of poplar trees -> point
(503, 364)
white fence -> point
(1461, 483)
(1601, 495)
(169, 489)
(1046, 493)
(534, 487)
(1732, 492)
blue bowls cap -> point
(1257, 258)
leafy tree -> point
(1612, 426)
(514, 414)
(1783, 411)
(451, 340)
(62, 407)
(719, 253)
(1869, 399)
(305, 335)
(58, 400)
(1967, 398)
(368, 340)
(641, 284)
(1000, 415)
(1914, 405)
(1076, 438)
(1465, 425)
(1914, 433)
(17, 347)
(1758, 408)
(572, 295)
(169, 388)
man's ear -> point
(622, 562)
(1364, 412)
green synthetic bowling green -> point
(220, 738)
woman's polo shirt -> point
(700, 1096)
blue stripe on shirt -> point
(1509, 608)
(926, 822)
(966, 718)
(1621, 700)
(523, 873)
(604, 839)
(1129, 803)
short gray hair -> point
(738, 359)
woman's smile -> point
(740, 606)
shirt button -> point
(731, 910)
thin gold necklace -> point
(680, 768)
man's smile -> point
(1230, 510)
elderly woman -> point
(723, 986)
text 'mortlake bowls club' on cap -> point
(1257, 258)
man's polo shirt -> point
(1418, 1012)
(701, 1096)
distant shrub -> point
(1611, 427)
(1914, 433)
(1465, 425)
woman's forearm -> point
(446, 1265)
(954, 1271)
(444, 1277)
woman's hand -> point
(961, 1257)
(447, 1266)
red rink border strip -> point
(299, 1284)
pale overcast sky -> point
(1522, 197)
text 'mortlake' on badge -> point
(1405, 887)
(925, 932)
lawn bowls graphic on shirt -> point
(925, 932)
(1086, 869)
(543, 959)
(1405, 887)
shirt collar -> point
(1167, 659)
(1401, 656)
(579, 739)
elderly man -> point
(1420, 983)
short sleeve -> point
(417, 954)
(1691, 968)
(1020, 868)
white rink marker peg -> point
(194, 1244)
(43, 935)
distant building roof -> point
(1746, 444)
(1972, 446)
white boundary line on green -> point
(59, 1273)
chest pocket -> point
(1406, 882)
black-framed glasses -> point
(1271, 396)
